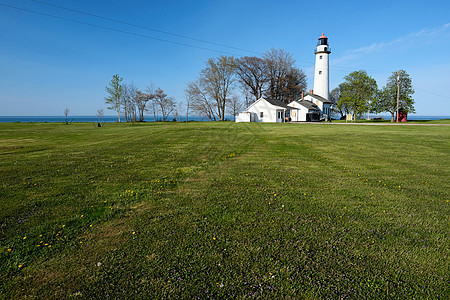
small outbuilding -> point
(304, 111)
(265, 110)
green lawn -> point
(388, 121)
(224, 210)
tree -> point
(335, 94)
(235, 106)
(253, 74)
(165, 104)
(358, 92)
(217, 81)
(128, 101)
(141, 100)
(153, 108)
(387, 101)
(66, 114)
(179, 110)
(339, 107)
(189, 98)
(286, 82)
(211, 92)
(114, 90)
(99, 115)
(200, 102)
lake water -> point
(89, 119)
(110, 119)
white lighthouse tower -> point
(321, 73)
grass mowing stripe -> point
(224, 210)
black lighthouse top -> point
(323, 40)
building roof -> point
(273, 102)
(308, 105)
(320, 98)
(323, 36)
(276, 102)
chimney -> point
(303, 94)
(311, 91)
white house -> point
(304, 111)
(265, 110)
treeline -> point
(131, 103)
(225, 81)
(219, 90)
(359, 94)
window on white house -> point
(279, 115)
(320, 57)
(320, 72)
(261, 114)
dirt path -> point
(374, 124)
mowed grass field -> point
(224, 210)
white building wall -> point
(244, 117)
(299, 111)
(269, 112)
(321, 73)
(315, 101)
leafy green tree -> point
(358, 92)
(387, 101)
(114, 90)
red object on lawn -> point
(402, 116)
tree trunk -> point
(118, 115)
(392, 117)
(187, 111)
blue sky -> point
(48, 63)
